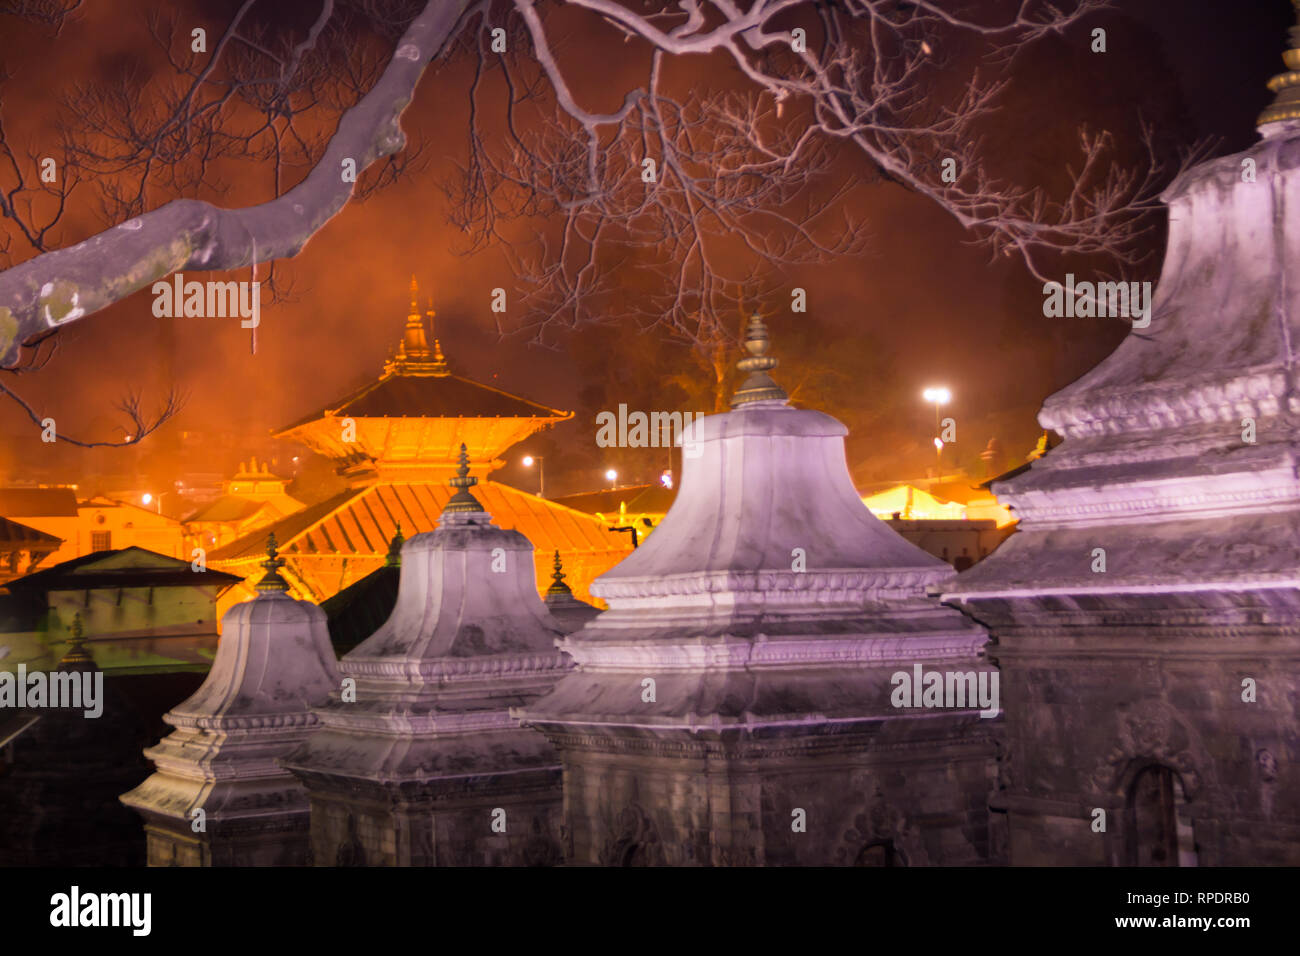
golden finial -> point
(462, 500)
(1286, 86)
(558, 588)
(412, 356)
(76, 652)
(272, 581)
(394, 559)
(758, 387)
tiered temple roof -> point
(407, 428)
(410, 424)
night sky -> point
(922, 306)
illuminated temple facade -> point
(396, 441)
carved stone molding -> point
(881, 823)
(1151, 732)
(632, 840)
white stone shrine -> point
(422, 764)
(1147, 610)
(219, 797)
(733, 705)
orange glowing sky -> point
(945, 312)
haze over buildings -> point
(938, 583)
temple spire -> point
(462, 500)
(414, 341)
(394, 559)
(272, 580)
(558, 588)
(758, 387)
(413, 355)
(1286, 86)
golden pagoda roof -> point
(417, 414)
(358, 525)
(363, 521)
(418, 383)
(450, 396)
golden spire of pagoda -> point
(1286, 86)
(413, 355)
(413, 340)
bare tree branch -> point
(140, 424)
(52, 13)
(693, 191)
(744, 179)
(62, 286)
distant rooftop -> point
(38, 502)
(225, 508)
(648, 499)
(121, 568)
(361, 608)
(255, 469)
(13, 534)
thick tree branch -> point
(58, 287)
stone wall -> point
(445, 825)
(1087, 712)
(729, 800)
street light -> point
(541, 472)
(611, 476)
(940, 396)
